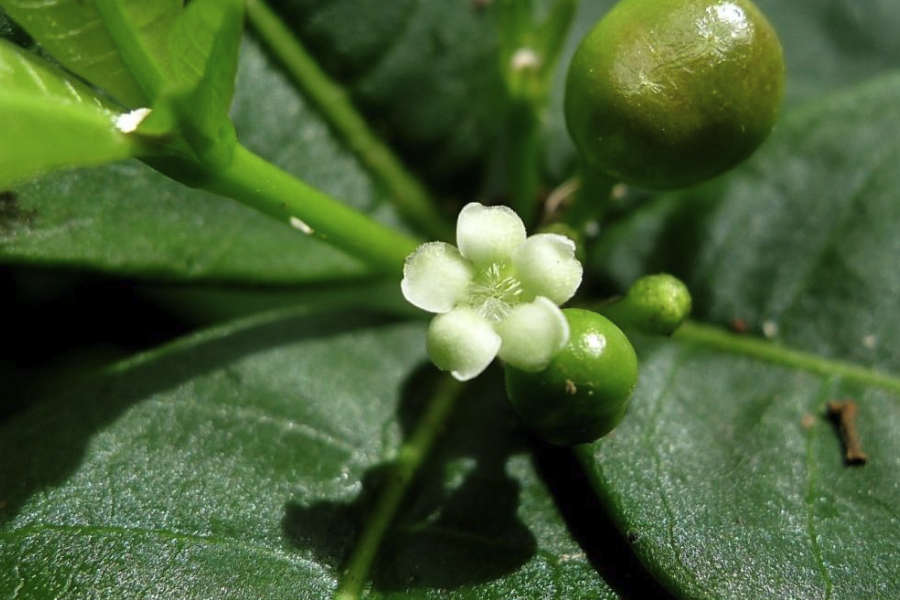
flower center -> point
(493, 293)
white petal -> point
(533, 334)
(488, 234)
(462, 342)
(545, 264)
(435, 277)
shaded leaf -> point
(240, 463)
(426, 72)
(50, 120)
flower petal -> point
(545, 264)
(462, 342)
(435, 277)
(488, 234)
(533, 334)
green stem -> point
(523, 158)
(409, 459)
(409, 195)
(591, 200)
(263, 186)
(714, 337)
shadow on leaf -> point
(457, 527)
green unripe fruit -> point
(582, 394)
(666, 93)
(654, 305)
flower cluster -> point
(497, 293)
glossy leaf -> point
(727, 472)
(50, 120)
(241, 463)
(118, 45)
(130, 220)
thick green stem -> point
(404, 469)
(408, 194)
(263, 186)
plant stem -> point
(523, 158)
(713, 337)
(263, 186)
(409, 459)
(408, 194)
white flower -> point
(497, 294)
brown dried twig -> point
(844, 414)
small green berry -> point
(582, 394)
(667, 93)
(654, 305)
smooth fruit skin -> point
(582, 394)
(667, 93)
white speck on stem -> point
(770, 329)
(525, 58)
(300, 225)
(130, 121)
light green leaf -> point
(50, 120)
(203, 50)
(726, 471)
(118, 45)
(242, 462)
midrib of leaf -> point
(404, 469)
(716, 338)
(109, 530)
(147, 73)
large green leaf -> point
(118, 45)
(130, 220)
(50, 120)
(242, 462)
(726, 472)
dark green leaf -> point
(427, 72)
(50, 120)
(241, 463)
(127, 219)
(118, 45)
(726, 471)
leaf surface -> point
(203, 52)
(726, 471)
(241, 462)
(118, 45)
(50, 120)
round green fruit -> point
(667, 93)
(583, 392)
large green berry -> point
(666, 93)
(583, 392)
